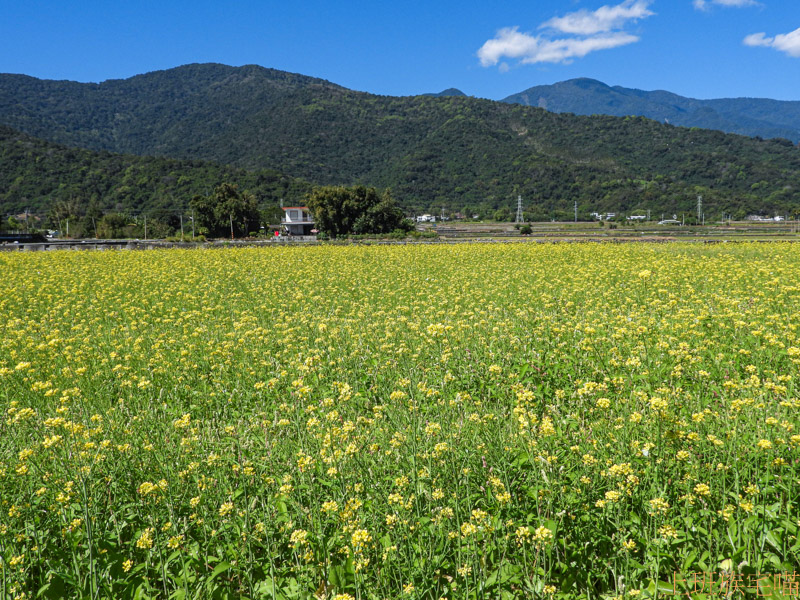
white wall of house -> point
(297, 215)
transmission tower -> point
(519, 218)
(699, 209)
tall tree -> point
(341, 210)
(227, 208)
(113, 225)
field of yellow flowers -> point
(471, 421)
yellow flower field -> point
(344, 422)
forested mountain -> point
(447, 92)
(161, 112)
(747, 116)
(36, 175)
(458, 152)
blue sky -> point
(696, 48)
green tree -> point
(502, 215)
(13, 224)
(227, 208)
(60, 211)
(340, 211)
(113, 225)
(94, 213)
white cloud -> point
(511, 43)
(602, 20)
(588, 31)
(706, 4)
(508, 42)
(788, 43)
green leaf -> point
(268, 590)
(773, 539)
(219, 569)
(141, 592)
(688, 561)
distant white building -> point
(297, 220)
(426, 219)
(765, 219)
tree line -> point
(230, 212)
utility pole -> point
(576, 211)
(520, 218)
(231, 216)
(145, 228)
(181, 226)
(700, 216)
(648, 214)
(192, 224)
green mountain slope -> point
(457, 152)
(152, 113)
(447, 92)
(36, 175)
(747, 116)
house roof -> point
(295, 207)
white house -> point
(297, 220)
(603, 216)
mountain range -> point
(747, 116)
(446, 150)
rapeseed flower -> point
(393, 398)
